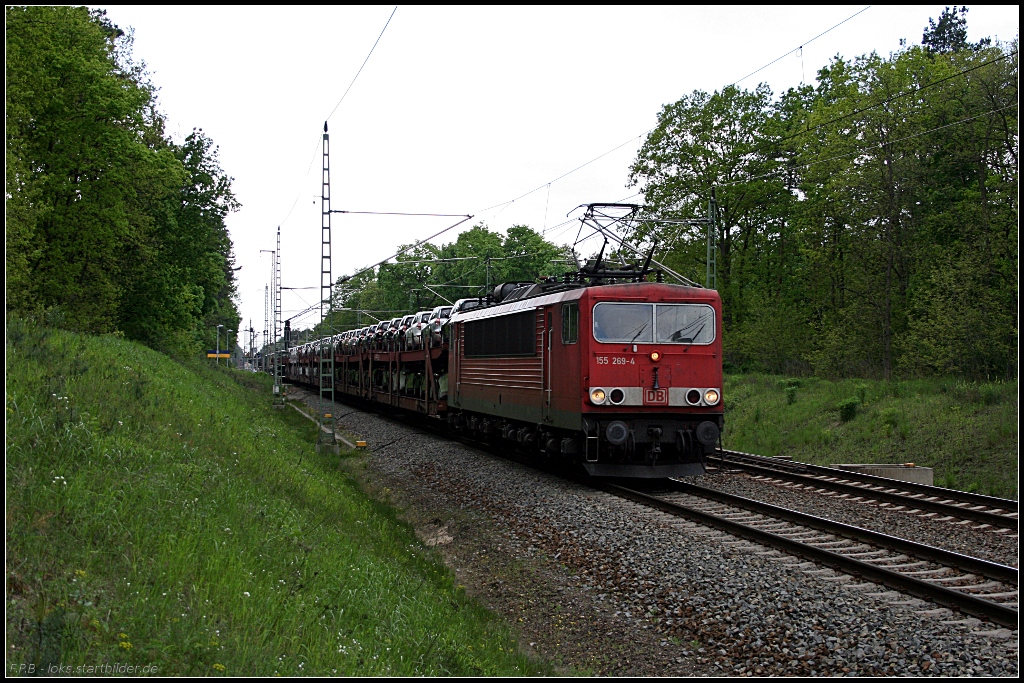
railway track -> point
(970, 585)
(947, 503)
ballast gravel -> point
(989, 544)
(603, 585)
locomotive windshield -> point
(647, 323)
(631, 323)
(685, 323)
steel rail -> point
(982, 516)
(947, 597)
(991, 570)
(937, 491)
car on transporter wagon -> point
(414, 334)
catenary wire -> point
(617, 147)
(312, 157)
(806, 42)
(893, 98)
(865, 149)
(399, 213)
(597, 158)
(363, 64)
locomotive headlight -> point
(711, 396)
(597, 396)
(655, 356)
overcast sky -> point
(460, 109)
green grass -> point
(161, 513)
(966, 431)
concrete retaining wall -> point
(918, 475)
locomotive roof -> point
(648, 291)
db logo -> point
(656, 397)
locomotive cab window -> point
(630, 323)
(684, 323)
(570, 323)
(647, 323)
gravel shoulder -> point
(600, 585)
(557, 617)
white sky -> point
(459, 109)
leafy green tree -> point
(949, 33)
(111, 227)
(722, 142)
(188, 286)
(428, 275)
(867, 222)
(75, 116)
(706, 141)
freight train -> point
(599, 368)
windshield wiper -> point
(641, 331)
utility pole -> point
(325, 435)
(711, 280)
(278, 389)
(266, 322)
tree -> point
(865, 220)
(722, 141)
(188, 286)
(428, 275)
(111, 226)
(949, 34)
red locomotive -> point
(602, 368)
(624, 378)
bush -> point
(862, 393)
(848, 409)
(790, 395)
(890, 416)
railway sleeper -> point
(932, 572)
(981, 586)
(952, 579)
(992, 596)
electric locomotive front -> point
(651, 379)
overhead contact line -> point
(400, 213)
(788, 169)
(807, 42)
(895, 97)
(647, 132)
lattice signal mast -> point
(325, 354)
(277, 318)
(711, 280)
(266, 327)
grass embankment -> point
(967, 432)
(161, 514)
